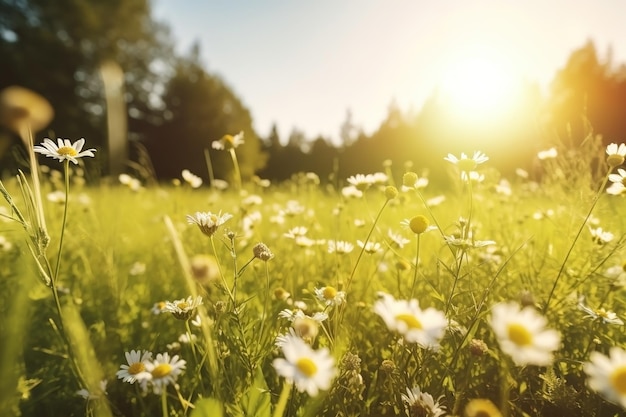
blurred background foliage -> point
(175, 107)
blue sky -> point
(305, 63)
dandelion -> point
(600, 236)
(340, 247)
(64, 149)
(330, 296)
(615, 154)
(424, 327)
(600, 314)
(481, 407)
(369, 247)
(183, 309)
(522, 335)
(208, 222)
(418, 404)
(135, 369)
(466, 164)
(607, 375)
(228, 142)
(163, 371)
(308, 369)
(193, 180)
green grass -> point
(107, 310)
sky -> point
(305, 64)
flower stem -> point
(164, 403)
(233, 156)
(219, 266)
(279, 411)
(417, 257)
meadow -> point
(372, 295)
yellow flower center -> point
(410, 320)
(136, 367)
(618, 379)
(519, 334)
(162, 370)
(182, 305)
(67, 151)
(329, 293)
(467, 164)
(306, 366)
(418, 224)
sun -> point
(478, 86)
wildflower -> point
(481, 407)
(616, 188)
(340, 247)
(522, 335)
(64, 149)
(615, 154)
(296, 232)
(466, 164)
(56, 197)
(305, 327)
(292, 315)
(183, 309)
(164, 371)
(330, 296)
(158, 308)
(252, 200)
(193, 180)
(310, 370)
(504, 188)
(361, 182)
(607, 375)
(131, 182)
(418, 403)
(369, 247)
(601, 314)
(617, 274)
(397, 239)
(418, 224)
(93, 395)
(228, 142)
(281, 294)
(208, 222)
(391, 192)
(186, 339)
(424, 327)
(600, 236)
(467, 243)
(262, 252)
(136, 368)
(22, 108)
(204, 269)
(547, 154)
(219, 184)
(351, 191)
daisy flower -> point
(296, 232)
(330, 296)
(340, 247)
(193, 180)
(397, 239)
(522, 335)
(547, 154)
(183, 309)
(600, 236)
(607, 375)
(351, 192)
(418, 403)
(424, 327)
(64, 149)
(465, 163)
(308, 369)
(615, 154)
(601, 314)
(136, 368)
(361, 182)
(369, 247)
(208, 222)
(228, 142)
(163, 371)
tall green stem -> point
(279, 411)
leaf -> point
(208, 407)
(257, 399)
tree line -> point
(172, 108)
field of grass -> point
(518, 291)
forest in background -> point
(174, 107)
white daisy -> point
(64, 149)
(361, 182)
(369, 247)
(397, 239)
(228, 142)
(607, 375)
(351, 192)
(600, 236)
(418, 403)
(615, 154)
(136, 368)
(467, 164)
(600, 314)
(330, 296)
(424, 327)
(522, 335)
(308, 369)
(208, 222)
(193, 180)
(164, 371)
(340, 247)
(547, 154)
(183, 309)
